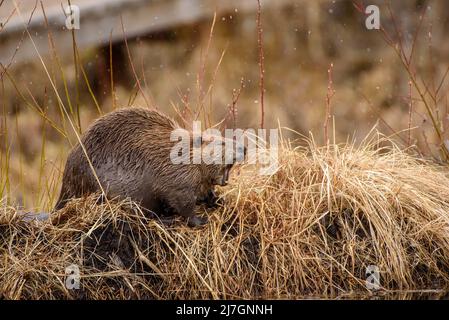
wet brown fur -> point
(130, 152)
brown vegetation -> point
(311, 229)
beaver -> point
(129, 149)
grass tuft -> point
(311, 229)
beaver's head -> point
(218, 164)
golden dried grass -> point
(311, 229)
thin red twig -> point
(410, 110)
(330, 93)
(261, 63)
(132, 65)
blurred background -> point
(179, 55)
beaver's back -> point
(126, 130)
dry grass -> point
(310, 229)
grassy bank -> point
(311, 229)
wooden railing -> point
(100, 21)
